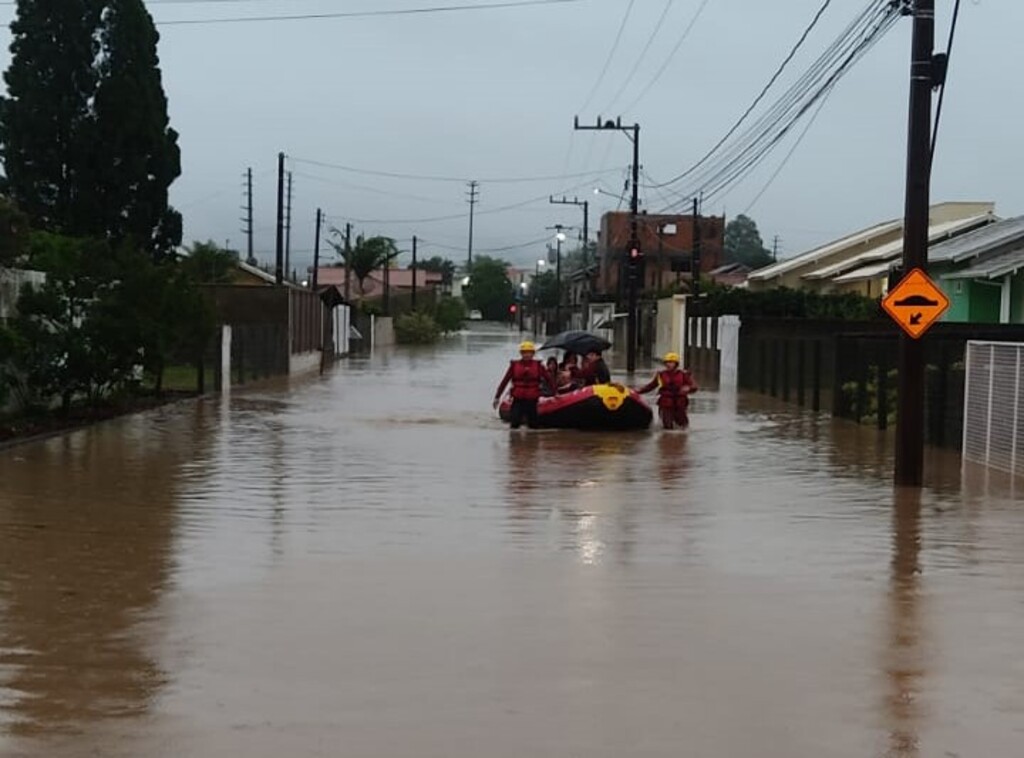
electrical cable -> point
(611, 55)
(643, 54)
(671, 56)
(747, 150)
(431, 10)
(942, 89)
(761, 95)
(436, 178)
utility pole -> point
(585, 204)
(695, 260)
(247, 229)
(279, 245)
(474, 198)
(634, 257)
(316, 248)
(288, 229)
(775, 248)
(923, 77)
(348, 261)
(414, 272)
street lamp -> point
(536, 273)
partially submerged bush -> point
(416, 329)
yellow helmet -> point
(670, 358)
(527, 347)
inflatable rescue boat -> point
(608, 407)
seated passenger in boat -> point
(553, 371)
(595, 370)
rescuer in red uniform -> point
(526, 376)
(674, 388)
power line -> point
(747, 150)
(451, 179)
(747, 161)
(761, 95)
(437, 9)
(671, 55)
(792, 150)
(611, 55)
(642, 56)
(460, 216)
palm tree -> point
(366, 256)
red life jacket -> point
(525, 380)
(670, 387)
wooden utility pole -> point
(910, 414)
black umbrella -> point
(578, 342)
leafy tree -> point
(135, 153)
(208, 263)
(84, 132)
(45, 119)
(439, 265)
(743, 243)
(13, 234)
(367, 255)
(489, 290)
(545, 289)
(62, 354)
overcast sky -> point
(492, 94)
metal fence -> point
(993, 407)
(851, 368)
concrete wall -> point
(671, 329)
(11, 282)
(383, 331)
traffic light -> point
(513, 308)
(635, 254)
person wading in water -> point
(674, 389)
(525, 375)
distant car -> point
(476, 316)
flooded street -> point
(369, 564)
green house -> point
(982, 273)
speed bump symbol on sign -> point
(916, 303)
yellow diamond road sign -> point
(915, 303)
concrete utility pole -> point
(247, 229)
(924, 75)
(474, 198)
(775, 248)
(288, 229)
(559, 230)
(695, 260)
(279, 245)
(348, 261)
(634, 257)
(414, 272)
(316, 248)
(585, 204)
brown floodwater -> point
(369, 564)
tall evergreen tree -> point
(137, 155)
(45, 117)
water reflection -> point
(86, 531)
(904, 656)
